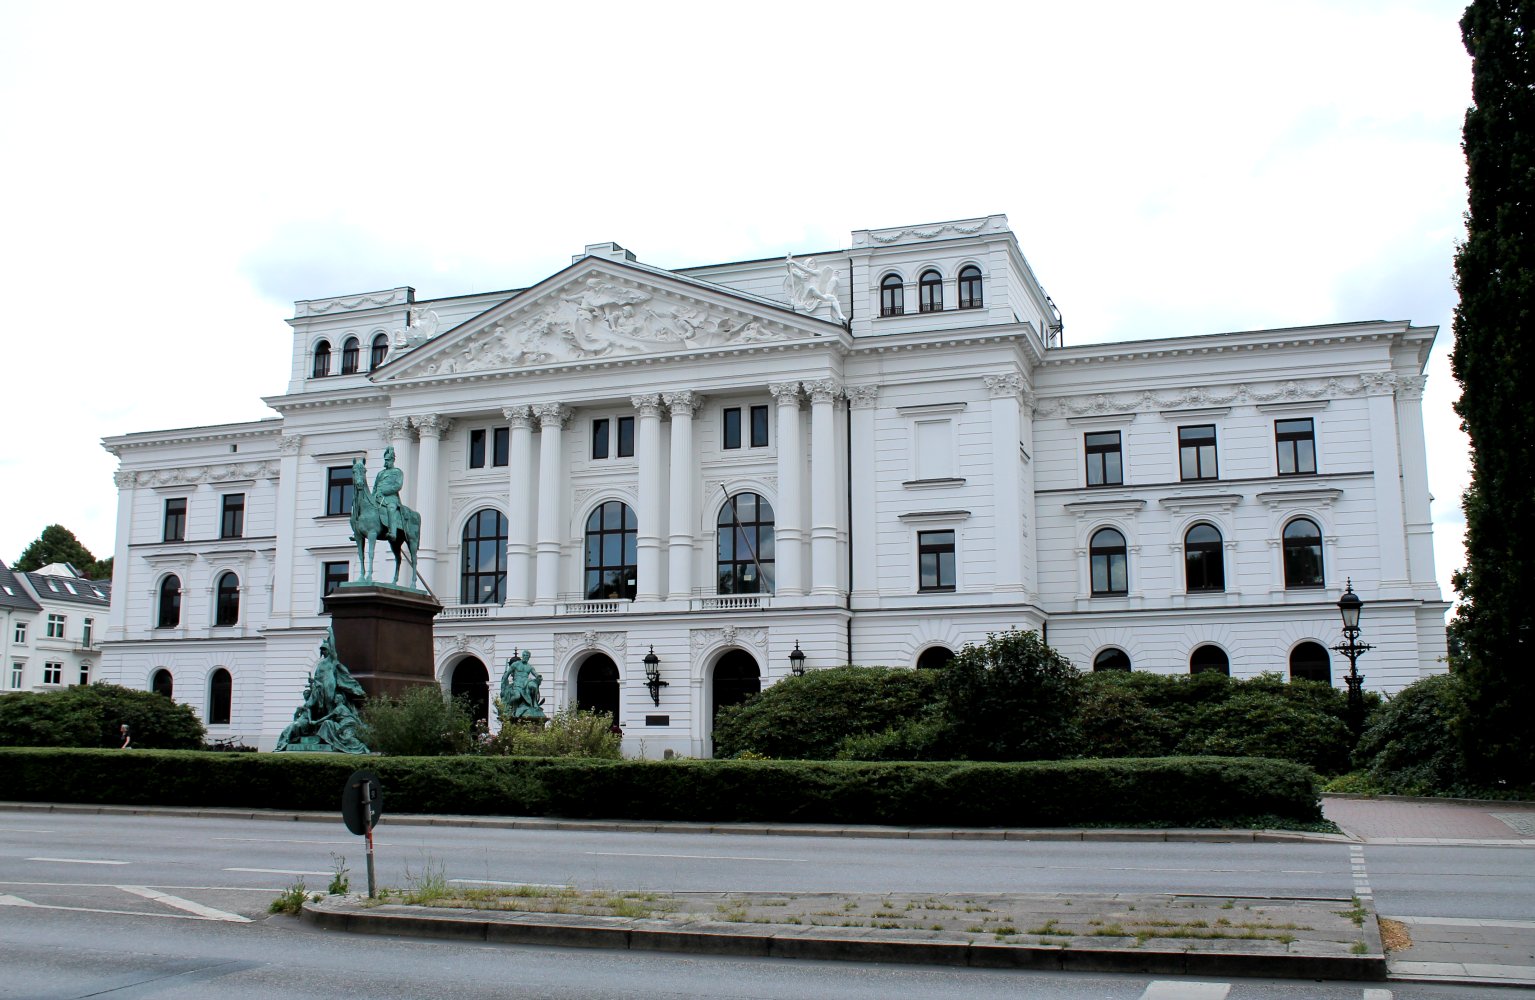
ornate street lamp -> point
(653, 676)
(1349, 606)
(797, 661)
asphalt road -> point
(137, 907)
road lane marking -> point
(23, 829)
(80, 861)
(184, 904)
(114, 885)
(689, 857)
(1164, 989)
(17, 901)
(14, 901)
(279, 840)
(1524, 925)
(276, 871)
(1377, 994)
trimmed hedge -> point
(88, 715)
(1163, 791)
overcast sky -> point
(173, 177)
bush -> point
(1256, 723)
(89, 716)
(569, 732)
(1163, 791)
(419, 723)
(808, 718)
(1010, 698)
(1409, 747)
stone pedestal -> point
(384, 636)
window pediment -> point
(1188, 502)
(1104, 508)
(1279, 499)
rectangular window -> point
(338, 489)
(20, 636)
(175, 520)
(1296, 441)
(600, 438)
(53, 673)
(85, 632)
(85, 674)
(477, 449)
(501, 442)
(1196, 452)
(17, 668)
(625, 437)
(334, 575)
(731, 437)
(232, 518)
(759, 426)
(935, 560)
(55, 627)
(1105, 461)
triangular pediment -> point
(600, 309)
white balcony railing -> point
(733, 602)
(592, 607)
(462, 612)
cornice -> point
(320, 399)
(268, 427)
(1213, 397)
(1225, 343)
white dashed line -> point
(184, 904)
(1164, 989)
(79, 861)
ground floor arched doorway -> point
(736, 678)
(470, 683)
(597, 685)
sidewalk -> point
(1452, 822)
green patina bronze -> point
(519, 690)
(378, 513)
(327, 721)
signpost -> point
(362, 803)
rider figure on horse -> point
(386, 494)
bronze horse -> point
(368, 525)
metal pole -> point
(367, 806)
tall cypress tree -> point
(1494, 360)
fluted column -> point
(1006, 496)
(431, 427)
(823, 485)
(289, 447)
(863, 399)
(551, 475)
(679, 542)
(789, 513)
(519, 531)
(648, 535)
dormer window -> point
(892, 296)
(930, 292)
(970, 287)
(321, 360)
(350, 354)
(380, 350)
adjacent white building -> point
(875, 456)
(51, 622)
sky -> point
(174, 176)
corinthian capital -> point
(551, 414)
(289, 444)
(824, 390)
(1007, 384)
(683, 404)
(432, 424)
(862, 397)
(785, 393)
(123, 478)
(518, 416)
(395, 429)
(648, 404)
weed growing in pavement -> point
(290, 900)
(428, 884)
(340, 884)
(1355, 913)
(1359, 948)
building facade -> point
(875, 455)
(52, 621)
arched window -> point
(1302, 554)
(1203, 565)
(170, 603)
(934, 657)
(745, 560)
(930, 292)
(1309, 662)
(379, 351)
(736, 678)
(970, 287)
(470, 685)
(484, 558)
(351, 354)
(160, 682)
(1110, 563)
(597, 685)
(610, 552)
(892, 295)
(1208, 659)
(227, 601)
(321, 360)
(220, 694)
(1111, 659)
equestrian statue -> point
(378, 513)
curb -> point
(1434, 800)
(618, 933)
(1122, 835)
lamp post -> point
(1349, 606)
(653, 676)
(797, 661)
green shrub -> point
(89, 716)
(419, 723)
(569, 732)
(1409, 747)
(919, 739)
(1116, 719)
(808, 717)
(1010, 698)
(1168, 790)
(1254, 722)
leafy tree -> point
(1408, 748)
(419, 723)
(58, 544)
(88, 716)
(1494, 360)
(1010, 698)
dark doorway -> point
(1309, 662)
(934, 658)
(471, 684)
(736, 678)
(597, 685)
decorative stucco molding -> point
(432, 425)
(824, 390)
(648, 404)
(614, 644)
(483, 646)
(862, 397)
(552, 414)
(518, 416)
(195, 474)
(685, 403)
(1369, 383)
(289, 444)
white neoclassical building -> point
(874, 455)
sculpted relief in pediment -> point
(598, 318)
